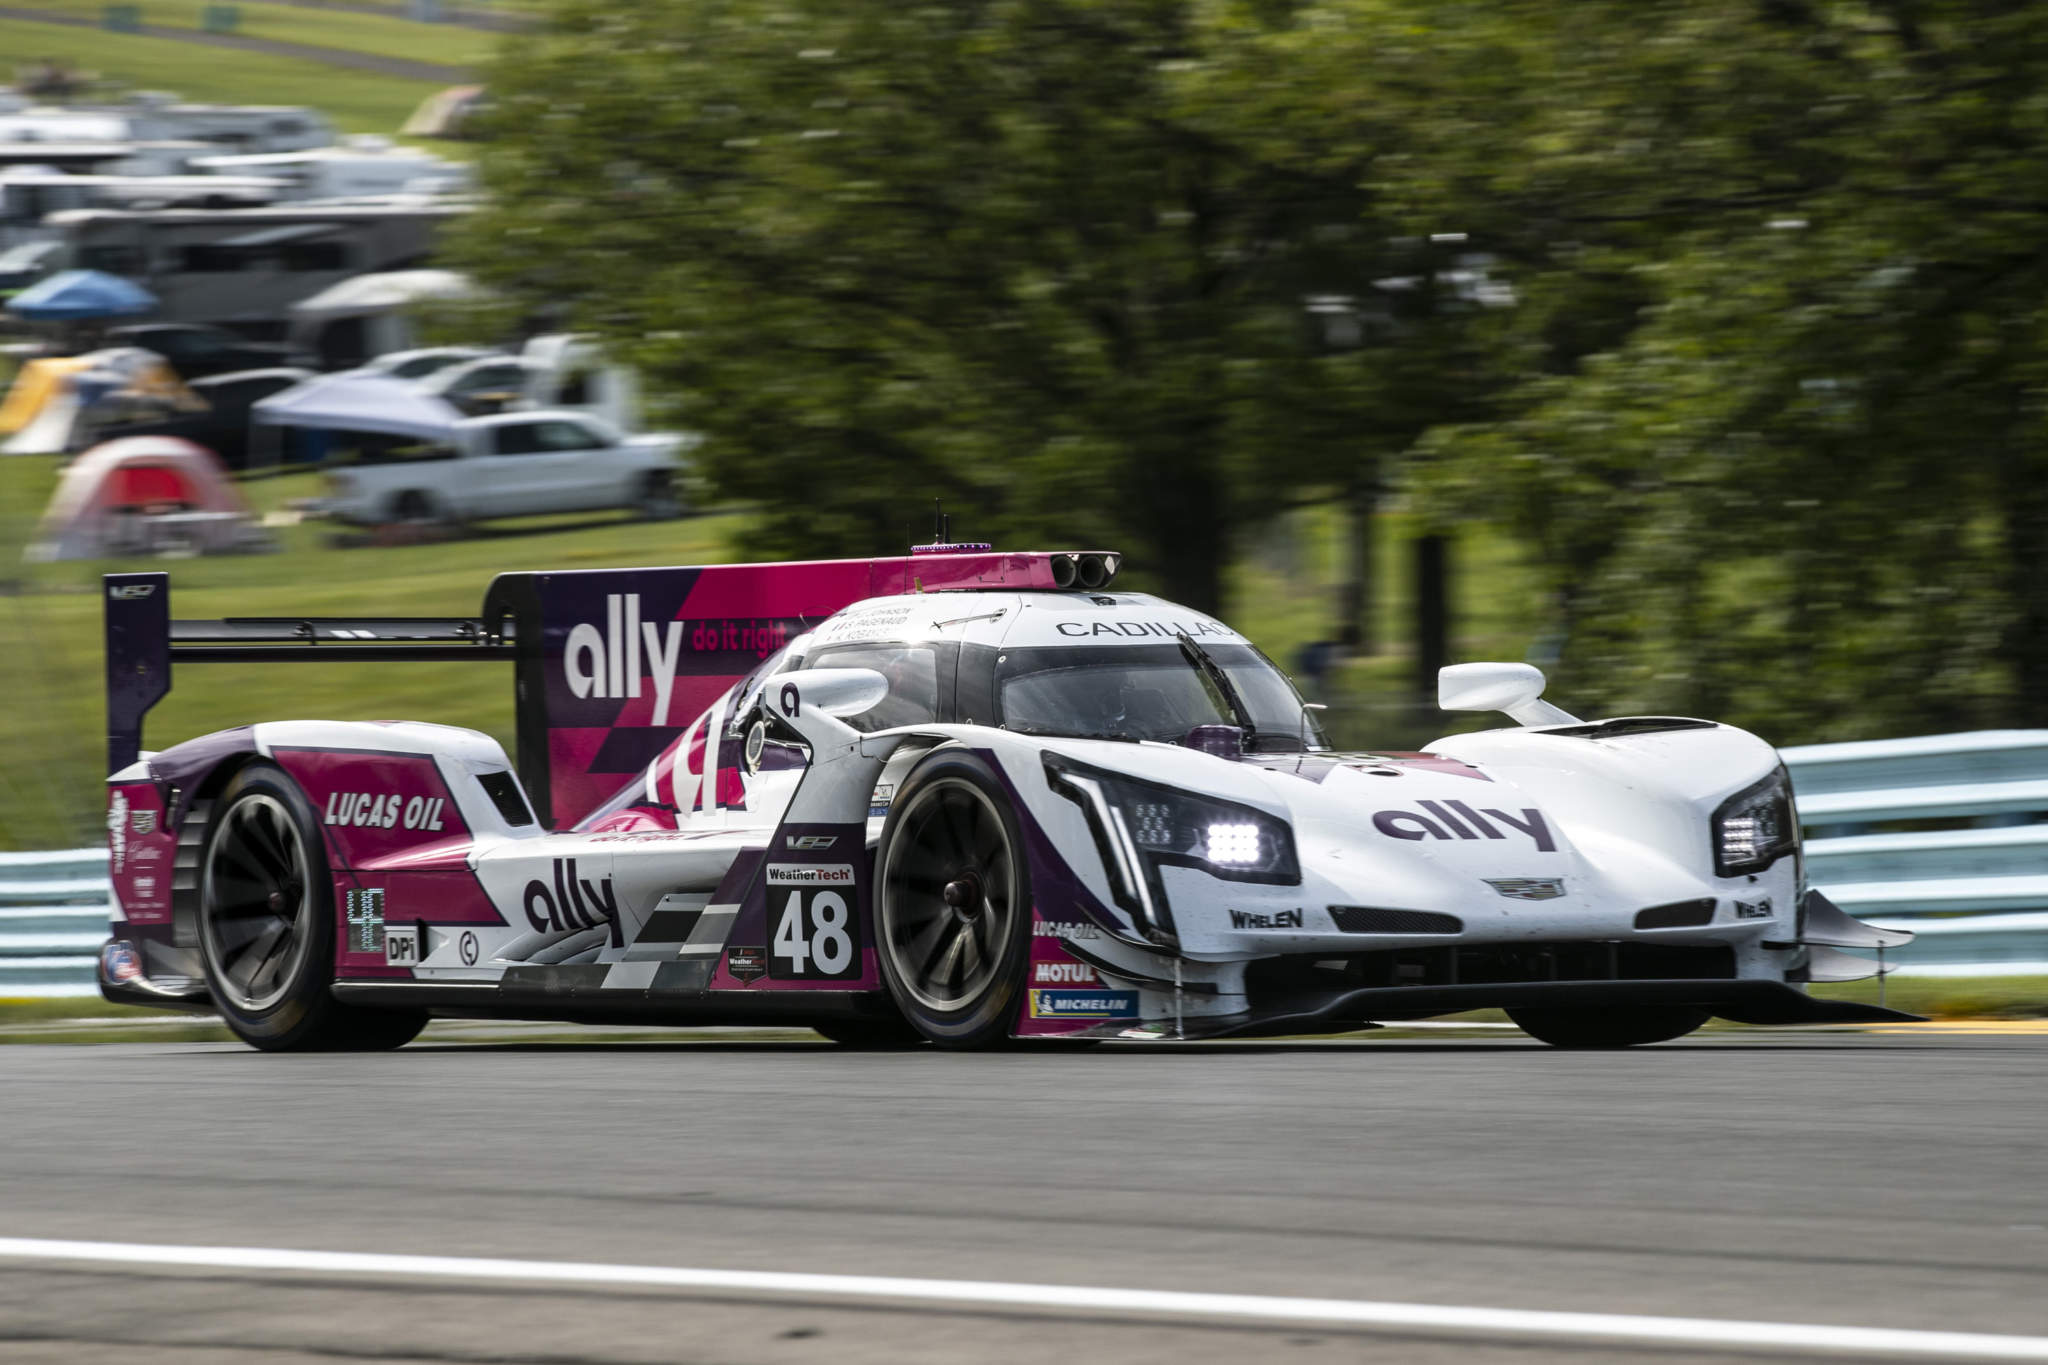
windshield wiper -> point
(1213, 671)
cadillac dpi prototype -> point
(958, 796)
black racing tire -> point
(655, 497)
(266, 925)
(869, 1033)
(953, 903)
(1630, 1026)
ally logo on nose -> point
(1457, 820)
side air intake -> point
(1677, 915)
(1373, 919)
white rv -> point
(363, 166)
(245, 268)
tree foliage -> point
(1766, 410)
(1029, 256)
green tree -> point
(1040, 258)
(1801, 481)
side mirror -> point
(1516, 689)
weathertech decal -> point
(1456, 820)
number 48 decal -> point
(811, 930)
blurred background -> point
(1695, 352)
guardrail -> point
(53, 917)
(1975, 891)
(1975, 886)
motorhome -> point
(244, 268)
(28, 197)
(152, 116)
(365, 165)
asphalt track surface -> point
(1891, 1180)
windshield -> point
(1147, 692)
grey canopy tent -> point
(356, 403)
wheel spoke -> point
(925, 948)
(948, 971)
(960, 829)
(970, 950)
(244, 970)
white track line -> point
(1782, 1336)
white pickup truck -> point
(507, 465)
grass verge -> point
(1952, 997)
(356, 101)
(346, 30)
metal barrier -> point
(53, 917)
(1976, 891)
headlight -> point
(1166, 826)
(1755, 827)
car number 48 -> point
(813, 936)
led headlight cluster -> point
(1755, 827)
(1177, 828)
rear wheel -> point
(1605, 1028)
(954, 902)
(266, 925)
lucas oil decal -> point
(373, 810)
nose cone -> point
(1438, 834)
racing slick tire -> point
(869, 1033)
(266, 925)
(1605, 1028)
(953, 902)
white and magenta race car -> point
(956, 796)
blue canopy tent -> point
(77, 295)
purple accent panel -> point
(137, 626)
(1224, 741)
(802, 863)
(624, 649)
(1316, 767)
(375, 805)
(185, 766)
(1057, 892)
(142, 848)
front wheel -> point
(1633, 1026)
(953, 912)
(266, 925)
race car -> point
(959, 797)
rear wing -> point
(609, 665)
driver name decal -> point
(1457, 820)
